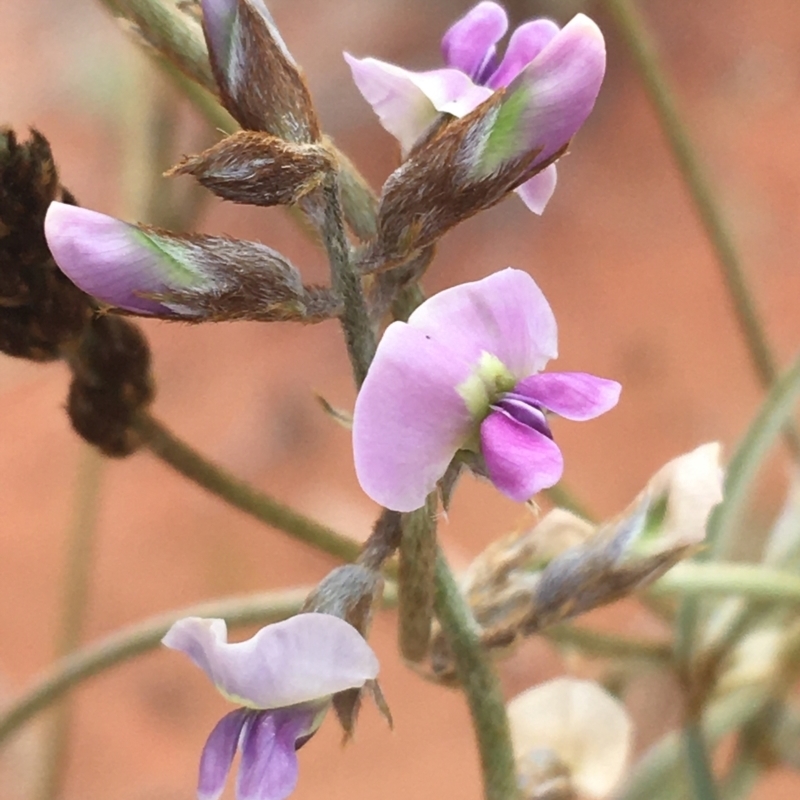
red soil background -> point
(619, 254)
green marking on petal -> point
(489, 380)
(176, 273)
(507, 138)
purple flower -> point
(551, 77)
(461, 374)
(284, 677)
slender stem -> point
(346, 280)
(415, 580)
(654, 776)
(708, 579)
(699, 768)
(608, 645)
(562, 497)
(644, 53)
(480, 685)
(162, 443)
(81, 537)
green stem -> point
(162, 443)
(654, 776)
(346, 280)
(415, 580)
(709, 579)
(643, 50)
(608, 645)
(700, 774)
(73, 608)
(480, 685)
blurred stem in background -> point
(73, 605)
(645, 56)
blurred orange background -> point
(619, 254)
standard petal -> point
(218, 753)
(269, 761)
(409, 419)
(469, 43)
(407, 102)
(572, 395)
(537, 191)
(505, 315)
(307, 657)
(588, 730)
(106, 258)
(527, 41)
(520, 461)
(562, 83)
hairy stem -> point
(346, 280)
(162, 443)
(643, 50)
(415, 580)
(480, 684)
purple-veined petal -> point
(218, 753)
(505, 315)
(106, 258)
(526, 42)
(537, 191)
(563, 81)
(407, 102)
(572, 395)
(526, 412)
(305, 658)
(268, 770)
(520, 461)
(469, 43)
(409, 419)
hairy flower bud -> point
(192, 277)
(259, 81)
(259, 169)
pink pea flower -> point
(558, 72)
(284, 678)
(463, 374)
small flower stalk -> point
(571, 739)
(463, 375)
(191, 277)
(283, 679)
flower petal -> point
(106, 258)
(407, 102)
(268, 770)
(572, 395)
(520, 461)
(307, 657)
(527, 41)
(469, 43)
(218, 753)
(537, 191)
(588, 729)
(409, 420)
(505, 315)
(564, 81)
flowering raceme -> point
(552, 74)
(284, 677)
(461, 374)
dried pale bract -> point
(259, 169)
(570, 737)
(191, 277)
(259, 81)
